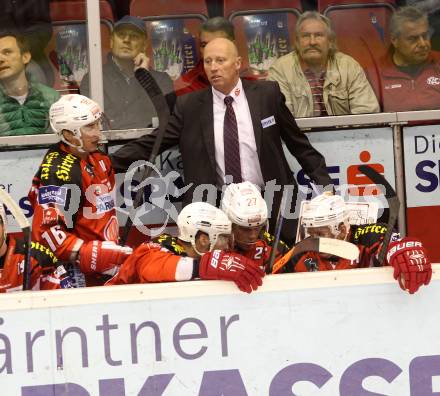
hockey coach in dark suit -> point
(233, 131)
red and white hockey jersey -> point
(260, 251)
(73, 201)
(164, 260)
(46, 271)
(368, 239)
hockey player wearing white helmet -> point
(199, 251)
(75, 179)
(325, 216)
(247, 210)
(203, 228)
(328, 216)
(46, 271)
(76, 119)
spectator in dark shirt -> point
(126, 103)
(432, 8)
(409, 74)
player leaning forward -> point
(201, 250)
(328, 216)
(73, 192)
(247, 210)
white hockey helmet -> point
(201, 216)
(71, 112)
(244, 205)
(325, 210)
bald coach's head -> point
(222, 64)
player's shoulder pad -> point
(59, 167)
(269, 238)
(57, 171)
(310, 260)
(170, 243)
(289, 267)
(44, 256)
(367, 234)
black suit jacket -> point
(191, 127)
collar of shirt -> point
(311, 75)
(20, 99)
(236, 93)
(124, 74)
(250, 166)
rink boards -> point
(344, 151)
(333, 333)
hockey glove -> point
(103, 257)
(412, 267)
(233, 267)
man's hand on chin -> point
(141, 60)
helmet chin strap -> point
(347, 230)
(75, 134)
(197, 251)
(2, 241)
(211, 247)
(249, 244)
(79, 148)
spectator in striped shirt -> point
(317, 79)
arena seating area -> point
(264, 31)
